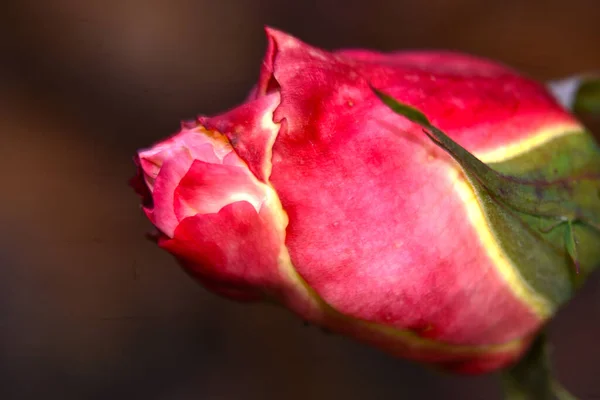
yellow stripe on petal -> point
(304, 300)
(508, 271)
(315, 309)
(267, 123)
(539, 138)
(326, 316)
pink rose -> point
(315, 195)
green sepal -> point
(571, 244)
(574, 199)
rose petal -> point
(139, 185)
(233, 249)
(251, 131)
(199, 145)
(423, 268)
(206, 188)
(438, 62)
(172, 171)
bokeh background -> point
(89, 309)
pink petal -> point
(251, 131)
(172, 171)
(235, 250)
(162, 166)
(207, 188)
(438, 62)
(376, 227)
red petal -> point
(376, 226)
(266, 82)
(206, 188)
(433, 62)
(235, 249)
(162, 167)
(480, 104)
(251, 131)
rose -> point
(315, 195)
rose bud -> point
(452, 246)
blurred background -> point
(89, 309)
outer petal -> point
(251, 131)
(139, 185)
(171, 172)
(432, 62)
(426, 266)
(239, 253)
(233, 249)
(492, 111)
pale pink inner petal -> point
(203, 147)
(165, 164)
(151, 171)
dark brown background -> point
(91, 310)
